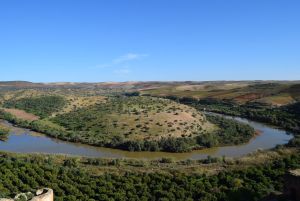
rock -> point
(45, 194)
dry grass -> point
(21, 114)
(16, 95)
(278, 100)
(274, 94)
(210, 87)
(261, 157)
(224, 90)
(173, 120)
(76, 102)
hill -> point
(276, 93)
(126, 121)
(135, 118)
(272, 93)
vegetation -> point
(273, 93)
(286, 117)
(72, 182)
(139, 124)
(228, 132)
(134, 118)
(231, 132)
(3, 132)
(42, 106)
(136, 124)
(83, 117)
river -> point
(25, 141)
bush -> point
(42, 106)
(3, 132)
(76, 183)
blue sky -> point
(140, 40)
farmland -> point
(273, 93)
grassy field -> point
(276, 94)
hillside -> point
(136, 118)
(273, 93)
(130, 122)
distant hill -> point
(269, 92)
(273, 93)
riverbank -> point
(23, 140)
(226, 133)
(209, 165)
(4, 132)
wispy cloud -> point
(122, 59)
(128, 57)
(122, 72)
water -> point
(24, 141)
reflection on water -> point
(24, 141)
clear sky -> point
(140, 40)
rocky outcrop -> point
(44, 194)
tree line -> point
(42, 106)
(70, 182)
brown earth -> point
(22, 114)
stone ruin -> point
(44, 194)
